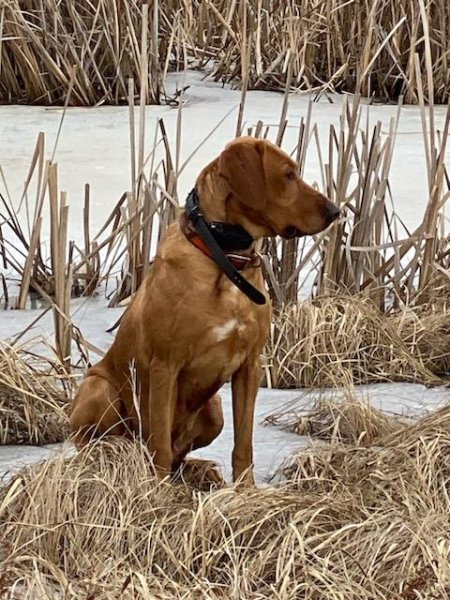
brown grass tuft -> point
(347, 338)
(348, 420)
(33, 401)
(425, 328)
(348, 522)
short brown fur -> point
(188, 329)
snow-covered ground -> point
(271, 444)
(94, 143)
(94, 147)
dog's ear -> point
(241, 165)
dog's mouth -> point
(291, 232)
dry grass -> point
(348, 522)
(425, 328)
(340, 338)
(51, 50)
(34, 398)
(427, 336)
(48, 47)
(348, 420)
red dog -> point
(189, 329)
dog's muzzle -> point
(291, 232)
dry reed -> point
(348, 522)
(34, 398)
(366, 47)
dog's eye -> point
(291, 175)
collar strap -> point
(239, 260)
(206, 240)
(230, 238)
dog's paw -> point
(245, 480)
(201, 474)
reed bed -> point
(347, 521)
(369, 250)
(34, 396)
(51, 50)
(115, 258)
(344, 46)
(337, 338)
(48, 48)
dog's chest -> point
(230, 340)
(223, 342)
(232, 330)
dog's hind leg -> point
(207, 425)
(97, 411)
(201, 431)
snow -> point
(14, 458)
(94, 147)
(94, 143)
(272, 445)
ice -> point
(272, 445)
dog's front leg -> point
(161, 403)
(244, 385)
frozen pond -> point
(271, 444)
(94, 144)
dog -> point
(190, 327)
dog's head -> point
(267, 195)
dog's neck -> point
(213, 192)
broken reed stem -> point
(245, 60)
(29, 263)
(131, 128)
(62, 274)
(92, 263)
(155, 58)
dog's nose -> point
(333, 212)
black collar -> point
(220, 237)
(230, 238)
